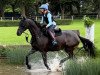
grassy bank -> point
(80, 66)
(83, 66)
(15, 54)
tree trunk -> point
(62, 13)
(23, 11)
(99, 12)
(2, 12)
(13, 9)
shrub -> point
(88, 22)
(9, 23)
(16, 54)
(3, 52)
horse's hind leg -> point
(27, 61)
(69, 51)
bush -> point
(88, 22)
(9, 23)
(3, 52)
(16, 54)
(63, 22)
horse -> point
(67, 41)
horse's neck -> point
(35, 31)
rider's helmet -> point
(44, 6)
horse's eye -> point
(22, 26)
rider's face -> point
(41, 10)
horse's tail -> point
(88, 46)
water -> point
(21, 70)
(82, 65)
(38, 68)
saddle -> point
(58, 32)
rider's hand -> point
(47, 26)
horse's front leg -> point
(44, 56)
(27, 60)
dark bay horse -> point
(68, 41)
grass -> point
(17, 54)
(8, 34)
(83, 67)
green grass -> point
(83, 67)
(8, 34)
(16, 54)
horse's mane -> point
(38, 24)
(41, 26)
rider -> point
(48, 19)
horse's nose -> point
(18, 33)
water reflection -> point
(45, 73)
(19, 70)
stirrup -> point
(54, 42)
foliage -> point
(88, 22)
(9, 23)
(3, 52)
(16, 54)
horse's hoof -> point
(49, 69)
(28, 67)
(60, 65)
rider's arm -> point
(49, 16)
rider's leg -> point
(52, 35)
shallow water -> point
(38, 68)
(20, 70)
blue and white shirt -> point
(48, 19)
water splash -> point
(82, 59)
(54, 63)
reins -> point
(26, 36)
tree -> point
(2, 5)
(1, 8)
(64, 6)
(96, 4)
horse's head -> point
(23, 25)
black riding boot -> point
(54, 42)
